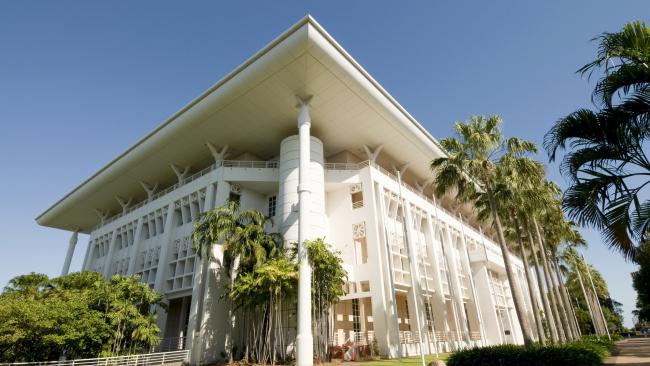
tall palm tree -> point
(548, 191)
(550, 316)
(246, 244)
(535, 203)
(511, 191)
(557, 230)
(606, 148)
(471, 169)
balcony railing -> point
(191, 178)
(146, 359)
(274, 165)
(247, 164)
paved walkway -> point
(631, 352)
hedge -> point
(585, 352)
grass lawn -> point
(409, 361)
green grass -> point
(407, 361)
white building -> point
(240, 138)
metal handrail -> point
(247, 164)
(129, 360)
(193, 177)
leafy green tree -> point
(328, 278)
(641, 283)
(606, 148)
(471, 170)
(78, 315)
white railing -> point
(193, 177)
(358, 338)
(247, 164)
(347, 166)
(357, 204)
(170, 344)
(130, 360)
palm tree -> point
(541, 279)
(246, 244)
(471, 169)
(606, 148)
(557, 231)
(511, 192)
(535, 196)
(548, 191)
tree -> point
(78, 315)
(246, 244)
(471, 169)
(606, 148)
(328, 278)
(576, 271)
(514, 203)
(641, 283)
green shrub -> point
(581, 353)
(617, 337)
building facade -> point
(422, 276)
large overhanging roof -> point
(252, 109)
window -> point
(361, 248)
(429, 314)
(356, 318)
(235, 193)
(365, 286)
(234, 197)
(356, 194)
(272, 205)
(360, 245)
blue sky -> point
(81, 81)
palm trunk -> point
(550, 320)
(549, 284)
(565, 299)
(541, 337)
(587, 301)
(516, 295)
(560, 300)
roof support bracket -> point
(180, 174)
(151, 190)
(425, 184)
(123, 202)
(218, 155)
(372, 155)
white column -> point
(470, 276)
(165, 243)
(109, 256)
(89, 253)
(304, 340)
(407, 222)
(135, 250)
(68, 256)
(198, 290)
(391, 277)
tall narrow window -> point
(356, 194)
(272, 205)
(360, 245)
(235, 193)
(429, 314)
(234, 197)
(356, 316)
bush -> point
(586, 352)
(617, 337)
